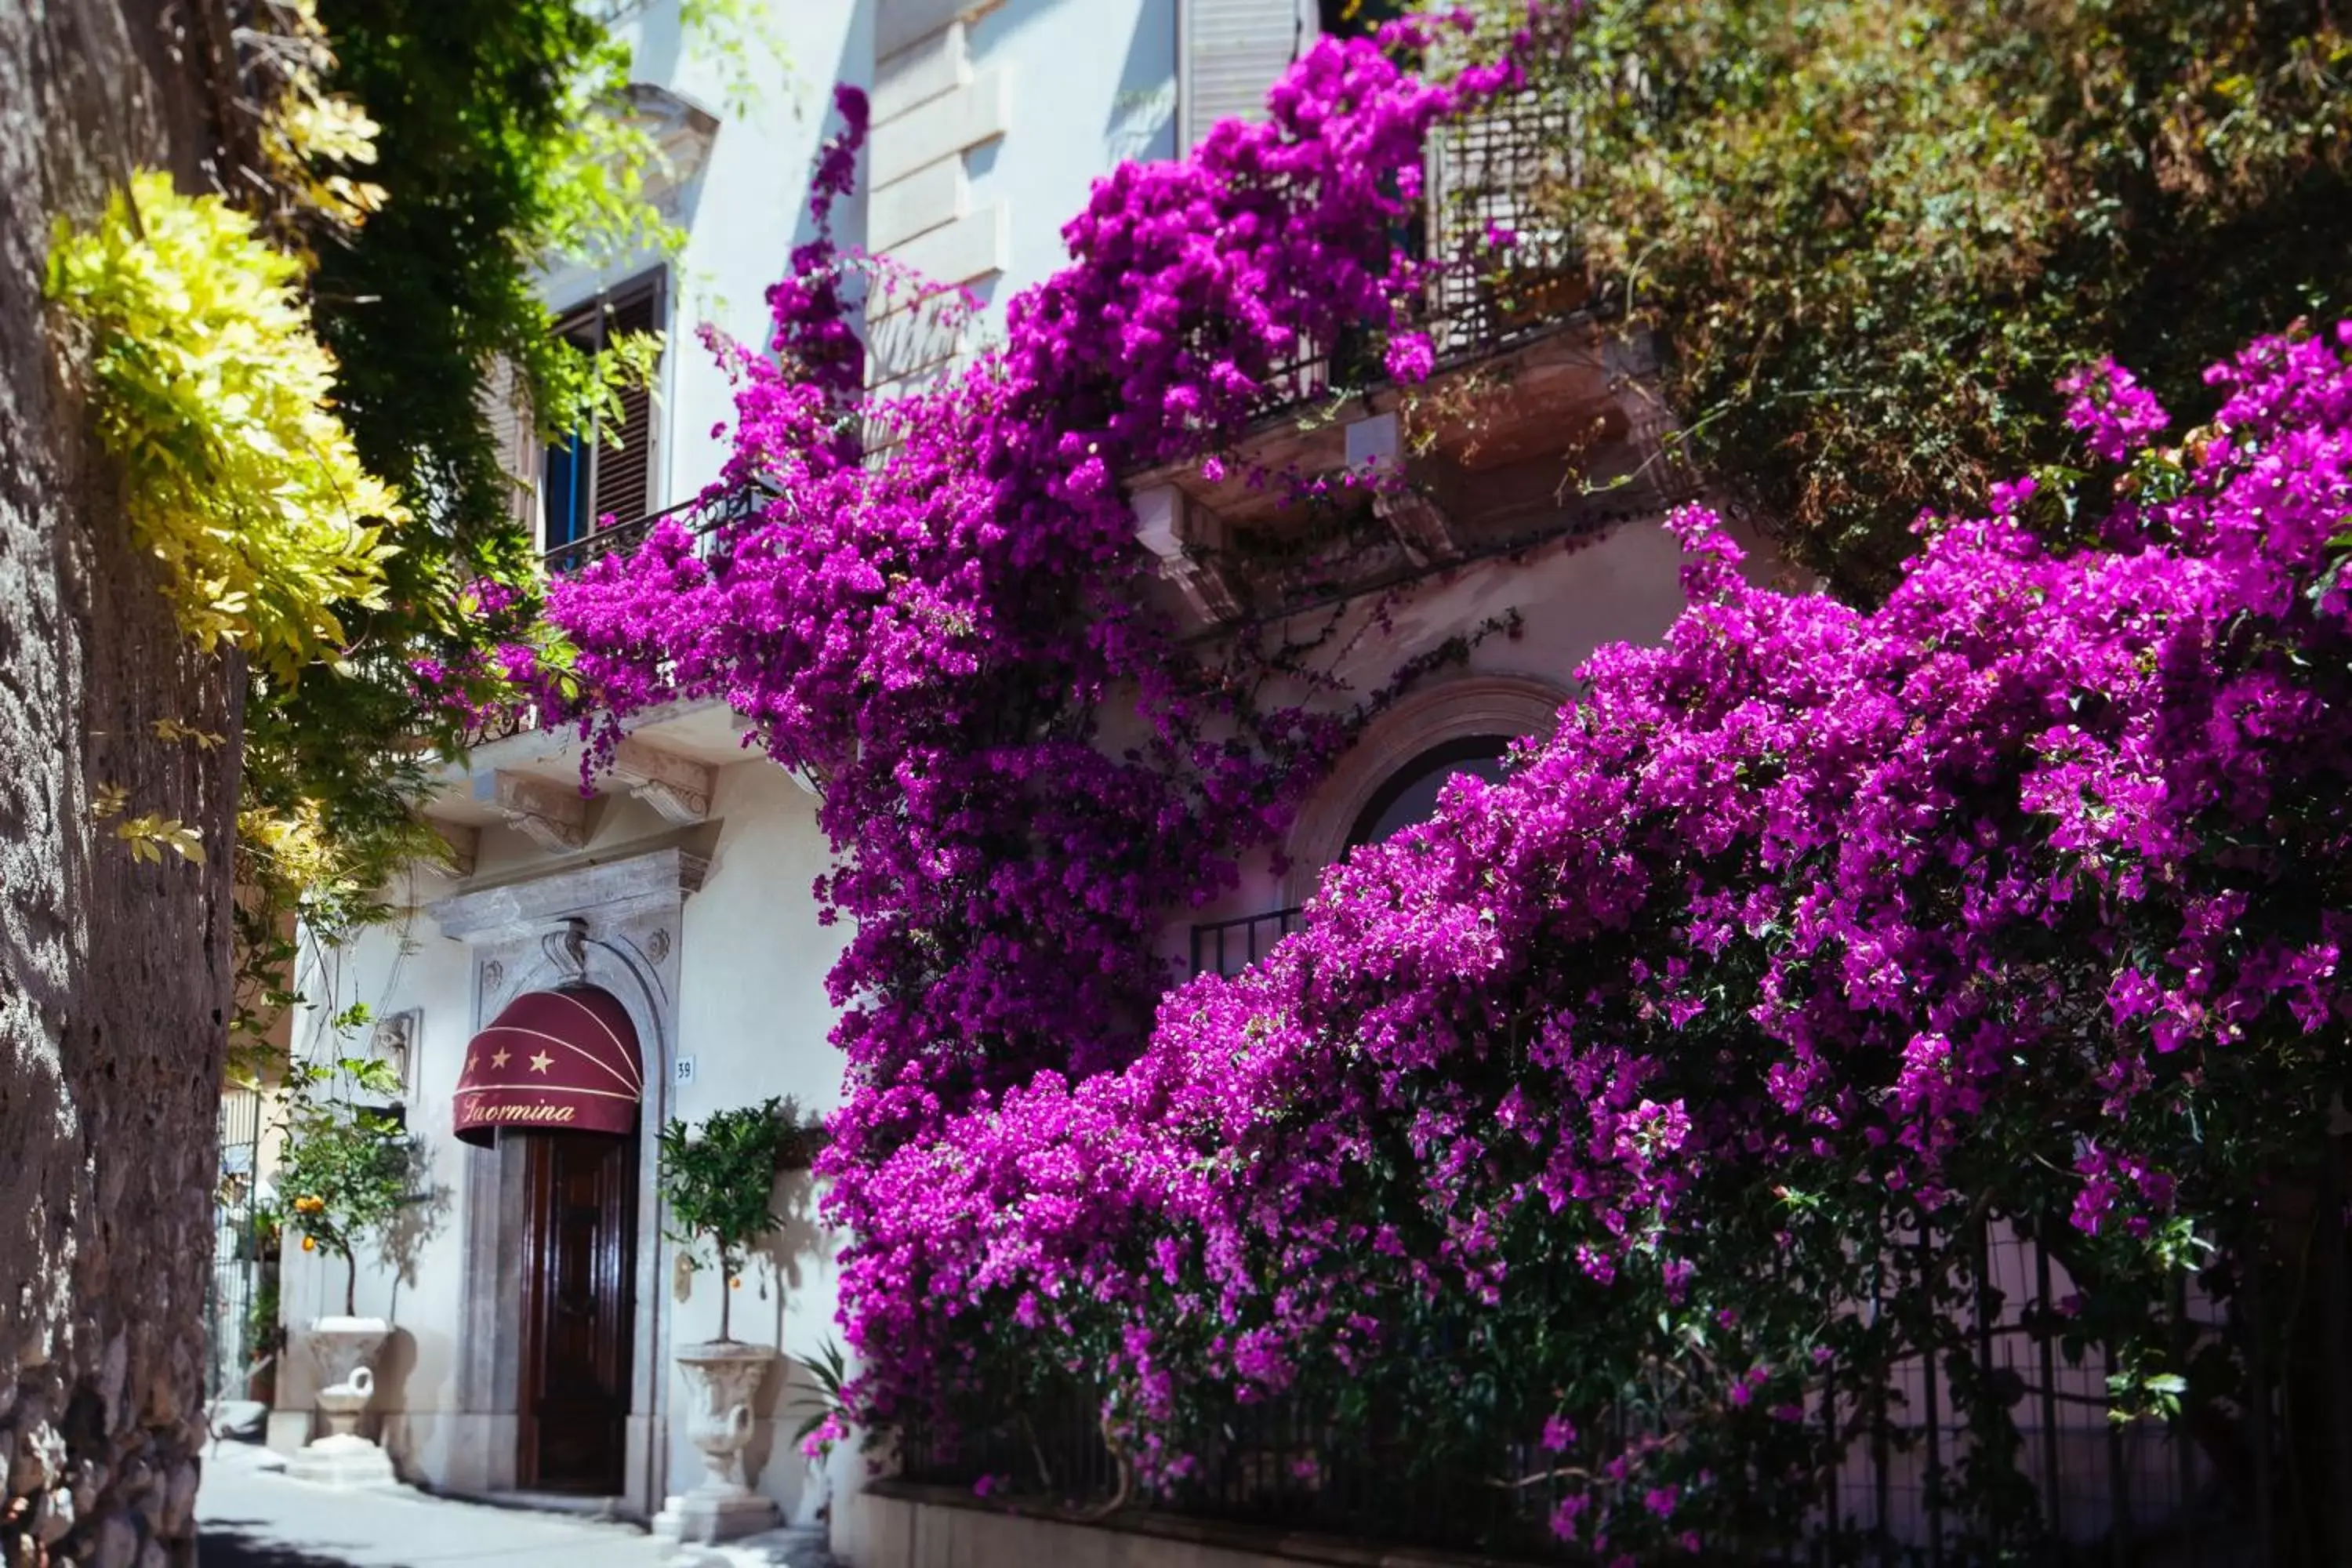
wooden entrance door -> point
(579, 1265)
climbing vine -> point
(309, 381)
(1877, 235)
(1571, 1123)
(937, 615)
(1613, 1114)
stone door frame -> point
(613, 922)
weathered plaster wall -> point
(113, 976)
(1574, 596)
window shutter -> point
(508, 413)
(624, 474)
(1232, 51)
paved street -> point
(252, 1516)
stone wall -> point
(113, 975)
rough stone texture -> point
(113, 976)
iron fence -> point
(229, 1331)
(1227, 947)
(2037, 1464)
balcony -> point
(703, 516)
(1543, 417)
(1485, 175)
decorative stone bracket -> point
(1631, 361)
(678, 787)
(464, 844)
(1418, 518)
(1178, 532)
(566, 948)
(548, 815)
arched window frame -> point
(1459, 709)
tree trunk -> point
(114, 975)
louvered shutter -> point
(624, 474)
(507, 413)
(1232, 51)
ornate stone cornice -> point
(1182, 537)
(590, 886)
(548, 815)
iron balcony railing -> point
(704, 515)
(1509, 271)
(1228, 947)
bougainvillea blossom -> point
(2024, 888)
(2011, 869)
(939, 606)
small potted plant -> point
(265, 1335)
(716, 1185)
(348, 1171)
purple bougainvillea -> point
(2024, 890)
(938, 607)
(2027, 887)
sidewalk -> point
(250, 1515)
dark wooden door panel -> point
(578, 1311)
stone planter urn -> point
(721, 1378)
(340, 1348)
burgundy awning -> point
(554, 1061)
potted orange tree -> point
(348, 1171)
(718, 1183)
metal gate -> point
(228, 1310)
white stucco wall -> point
(753, 1018)
(747, 208)
(752, 1010)
(1093, 83)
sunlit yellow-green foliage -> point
(209, 388)
(311, 137)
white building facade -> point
(535, 1298)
